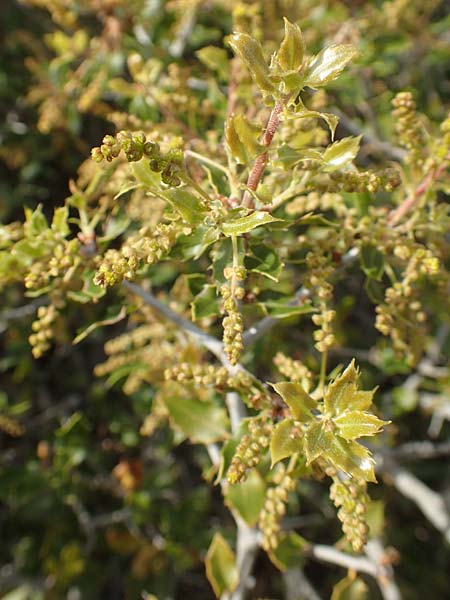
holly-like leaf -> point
(341, 153)
(248, 223)
(353, 424)
(248, 497)
(289, 157)
(202, 422)
(35, 222)
(282, 442)
(326, 66)
(248, 133)
(350, 457)
(297, 399)
(316, 441)
(330, 119)
(292, 48)
(184, 202)
(234, 142)
(343, 394)
(221, 569)
(250, 51)
(264, 261)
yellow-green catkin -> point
(350, 497)
(274, 510)
(250, 449)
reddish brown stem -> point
(260, 162)
(397, 214)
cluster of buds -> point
(401, 316)
(250, 449)
(294, 370)
(410, 129)
(321, 271)
(314, 201)
(43, 330)
(219, 378)
(274, 510)
(366, 181)
(152, 248)
(233, 325)
(135, 147)
(114, 268)
(137, 338)
(37, 277)
(64, 257)
(350, 496)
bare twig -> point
(375, 551)
(329, 554)
(297, 586)
(397, 214)
(260, 162)
(430, 503)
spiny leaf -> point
(350, 457)
(316, 441)
(292, 48)
(246, 224)
(341, 152)
(326, 66)
(296, 398)
(184, 202)
(248, 133)
(220, 564)
(282, 442)
(353, 424)
(234, 143)
(342, 393)
(250, 51)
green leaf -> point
(184, 202)
(282, 309)
(341, 153)
(60, 221)
(350, 588)
(353, 424)
(114, 227)
(206, 303)
(234, 142)
(247, 498)
(289, 552)
(215, 59)
(372, 261)
(89, 292)
(282, 443)
(248, 134)
(221, 569)
(289, 157)
(343, 394)
(328, 64)
(35, 222)
(245, 224)
(195, 244)
(202, 422)
(316, 441)
(141, 170)
(264, 261)
(250, 51)
(303, 113)
(296, 398)
(350, 457)
(292, 48)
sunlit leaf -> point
(292, 48)
(245, 224)
(350, 457)
(290, 551)
(250, 51)
(353, 424)
(326, 66)
(296, 398)
(282, 442)
(341, 153)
